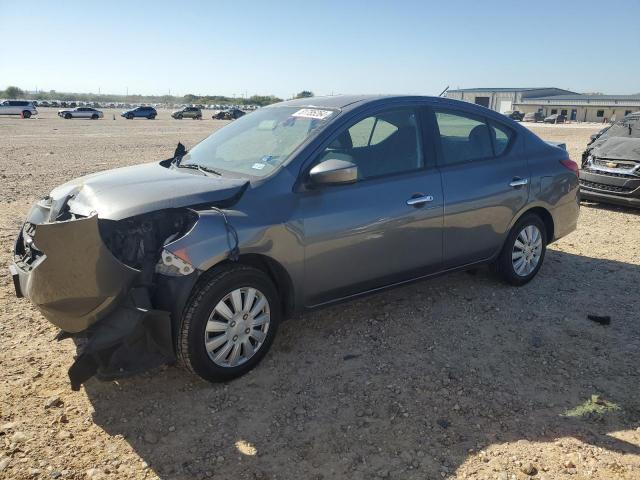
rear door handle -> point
(518, 182)
(419, 200)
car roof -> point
(342, 101)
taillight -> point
(571, 165)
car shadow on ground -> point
(610, 207)
(410, 383)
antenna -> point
(444, 91)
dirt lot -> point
(456, 377)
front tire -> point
(229, 323)
(94, 117)
(67, 116)
(523, 252)
(26, 114)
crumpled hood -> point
(617, 148)
(125, 192)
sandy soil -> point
(456, 377)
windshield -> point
(260, 142)
(627, 127)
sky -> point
(277, 47)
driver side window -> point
(384, 144)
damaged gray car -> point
(197, 258)
(611, 164)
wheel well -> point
(546, 218)
(276, 272)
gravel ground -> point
(455, 377)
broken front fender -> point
(66, 270)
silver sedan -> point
(80, 112)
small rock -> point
(53, 402)
(529, 469)
(19, 437)
(64, 435)
(443, 423)
(4, 463)
(569, 464)
(93, 474)
(172, 428)
(8, 426)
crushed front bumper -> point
(65, 269)
(69, 274)
(607, 187)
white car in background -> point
(80, 112)
(18, 107)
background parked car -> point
(555, 118)
(231, 114)
(514, 115)
(533, 117)
(611, 164)
(144, 112)
(18, 107)
(188, 112)
(80, 112)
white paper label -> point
(314, 113)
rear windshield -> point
(258, 143)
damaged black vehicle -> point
(611, 164)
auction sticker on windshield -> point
(314, 113)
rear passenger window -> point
(463, 137)
(501, 137)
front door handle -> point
(518, 182)
(419, 200)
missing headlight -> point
(138, 241)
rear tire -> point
(26, 114)
(523, 252)
(205, 333)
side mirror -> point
(334, 172)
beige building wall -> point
(584, 113)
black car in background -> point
(514, 115)
(231, 114)
(611, 164)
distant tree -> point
(305, 94)
(262, 100)
(13, 92)
(189, 98)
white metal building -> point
(582, 108)
(503, 99)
